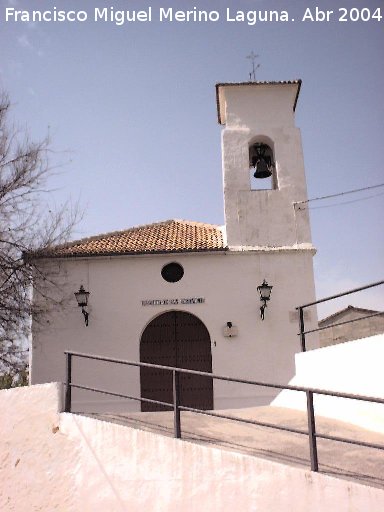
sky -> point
(131, 113)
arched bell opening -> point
(262, 166)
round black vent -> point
(172, 272)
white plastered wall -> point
(67, 463)
(354, 367)
(263, 350)
(38, 464)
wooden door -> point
(176, 339)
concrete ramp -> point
(343, 460)
(65, 462)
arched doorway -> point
(176, 338)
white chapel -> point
(186, 294)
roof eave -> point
(125, 253)
(297, 82)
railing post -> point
(312, 432)
(176, 403)
(302, 329)
(68, 389)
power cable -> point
(345, 202)
(339, 194)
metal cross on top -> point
(253, 57)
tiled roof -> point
(160, 237)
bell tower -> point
(263, 168)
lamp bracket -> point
(86, 315)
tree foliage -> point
(10, 379)
(27, 226)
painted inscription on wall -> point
(171, 302)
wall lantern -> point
(265, 294)
(260, 157)
(82, 302)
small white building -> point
(183, 293)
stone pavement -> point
(361, 464)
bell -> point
(262, 169)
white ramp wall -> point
(67, 463)
(38, 463)
(354, 367)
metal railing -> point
(300, 309)
(177, 407)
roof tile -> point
(166, 236)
